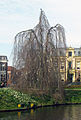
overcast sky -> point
(18, 15)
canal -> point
(69, 112)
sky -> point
(19, 15)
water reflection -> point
(71, 112)
(19, 114)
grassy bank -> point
(73, 95)
(9, 99)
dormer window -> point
(69, 54)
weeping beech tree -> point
(36, 56)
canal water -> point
(69, 112)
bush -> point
(72, 96)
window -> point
(60, 53)
(78, 65)
(62, 66)
(74, 52)
(3, 77)
(78, 52)
(62, 77)
(3, 68)
(2, 58)
(70, 54)
(70, 64)
(62, 80)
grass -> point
(73, 95)
(9, 99)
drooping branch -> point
(36, 53)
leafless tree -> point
(36, 56)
